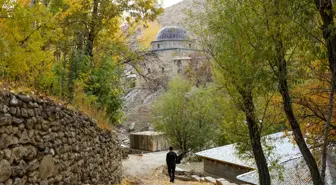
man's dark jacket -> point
(171, 158)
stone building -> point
(149, 141)
(173, 51)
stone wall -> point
(42, 142)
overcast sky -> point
(167, 3)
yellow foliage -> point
(149, 34)
(45, 46)
(24, 2)
(311, 102)
(24, 43)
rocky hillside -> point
(176, 15)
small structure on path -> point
(225, 162)
(149, 141)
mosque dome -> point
(172, 33)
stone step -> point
(182, 178)
(223, 181)
(210, 179)
(196, 178)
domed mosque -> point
(171, 33)
(174, 49)
(172, 37)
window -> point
(148, 70)
(158, 46)
(189, 45)
(179, 66)
(162, 69)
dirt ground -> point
(143, 165)
(146, 169)
(158, 180)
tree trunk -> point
(92, 31)
(254, 133)
(327, 14)
(326, 131)
(284, 90)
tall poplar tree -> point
(238, 69)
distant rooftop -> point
(292, 172)
(282, 149)
(147, 133)
(172, 33)
(284, 152)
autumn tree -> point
(27, 36)
(326, 10)
(66, 48)
(148, 34)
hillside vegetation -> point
(73, 50)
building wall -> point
(43, 142)
(151, 143)
(166, 65)
(168, 60)
(167, 44)
(224, 170)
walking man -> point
(171, 163)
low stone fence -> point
(42, 142)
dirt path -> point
(146, 169)
(137, 165)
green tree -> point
(239, 69)
(283, 38)
(104, 83)
(188, 116)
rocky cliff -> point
(176, 15)
(42, 142)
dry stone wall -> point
(42, 142)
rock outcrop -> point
(177, 14)
(42, 142)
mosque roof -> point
(172, 33)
